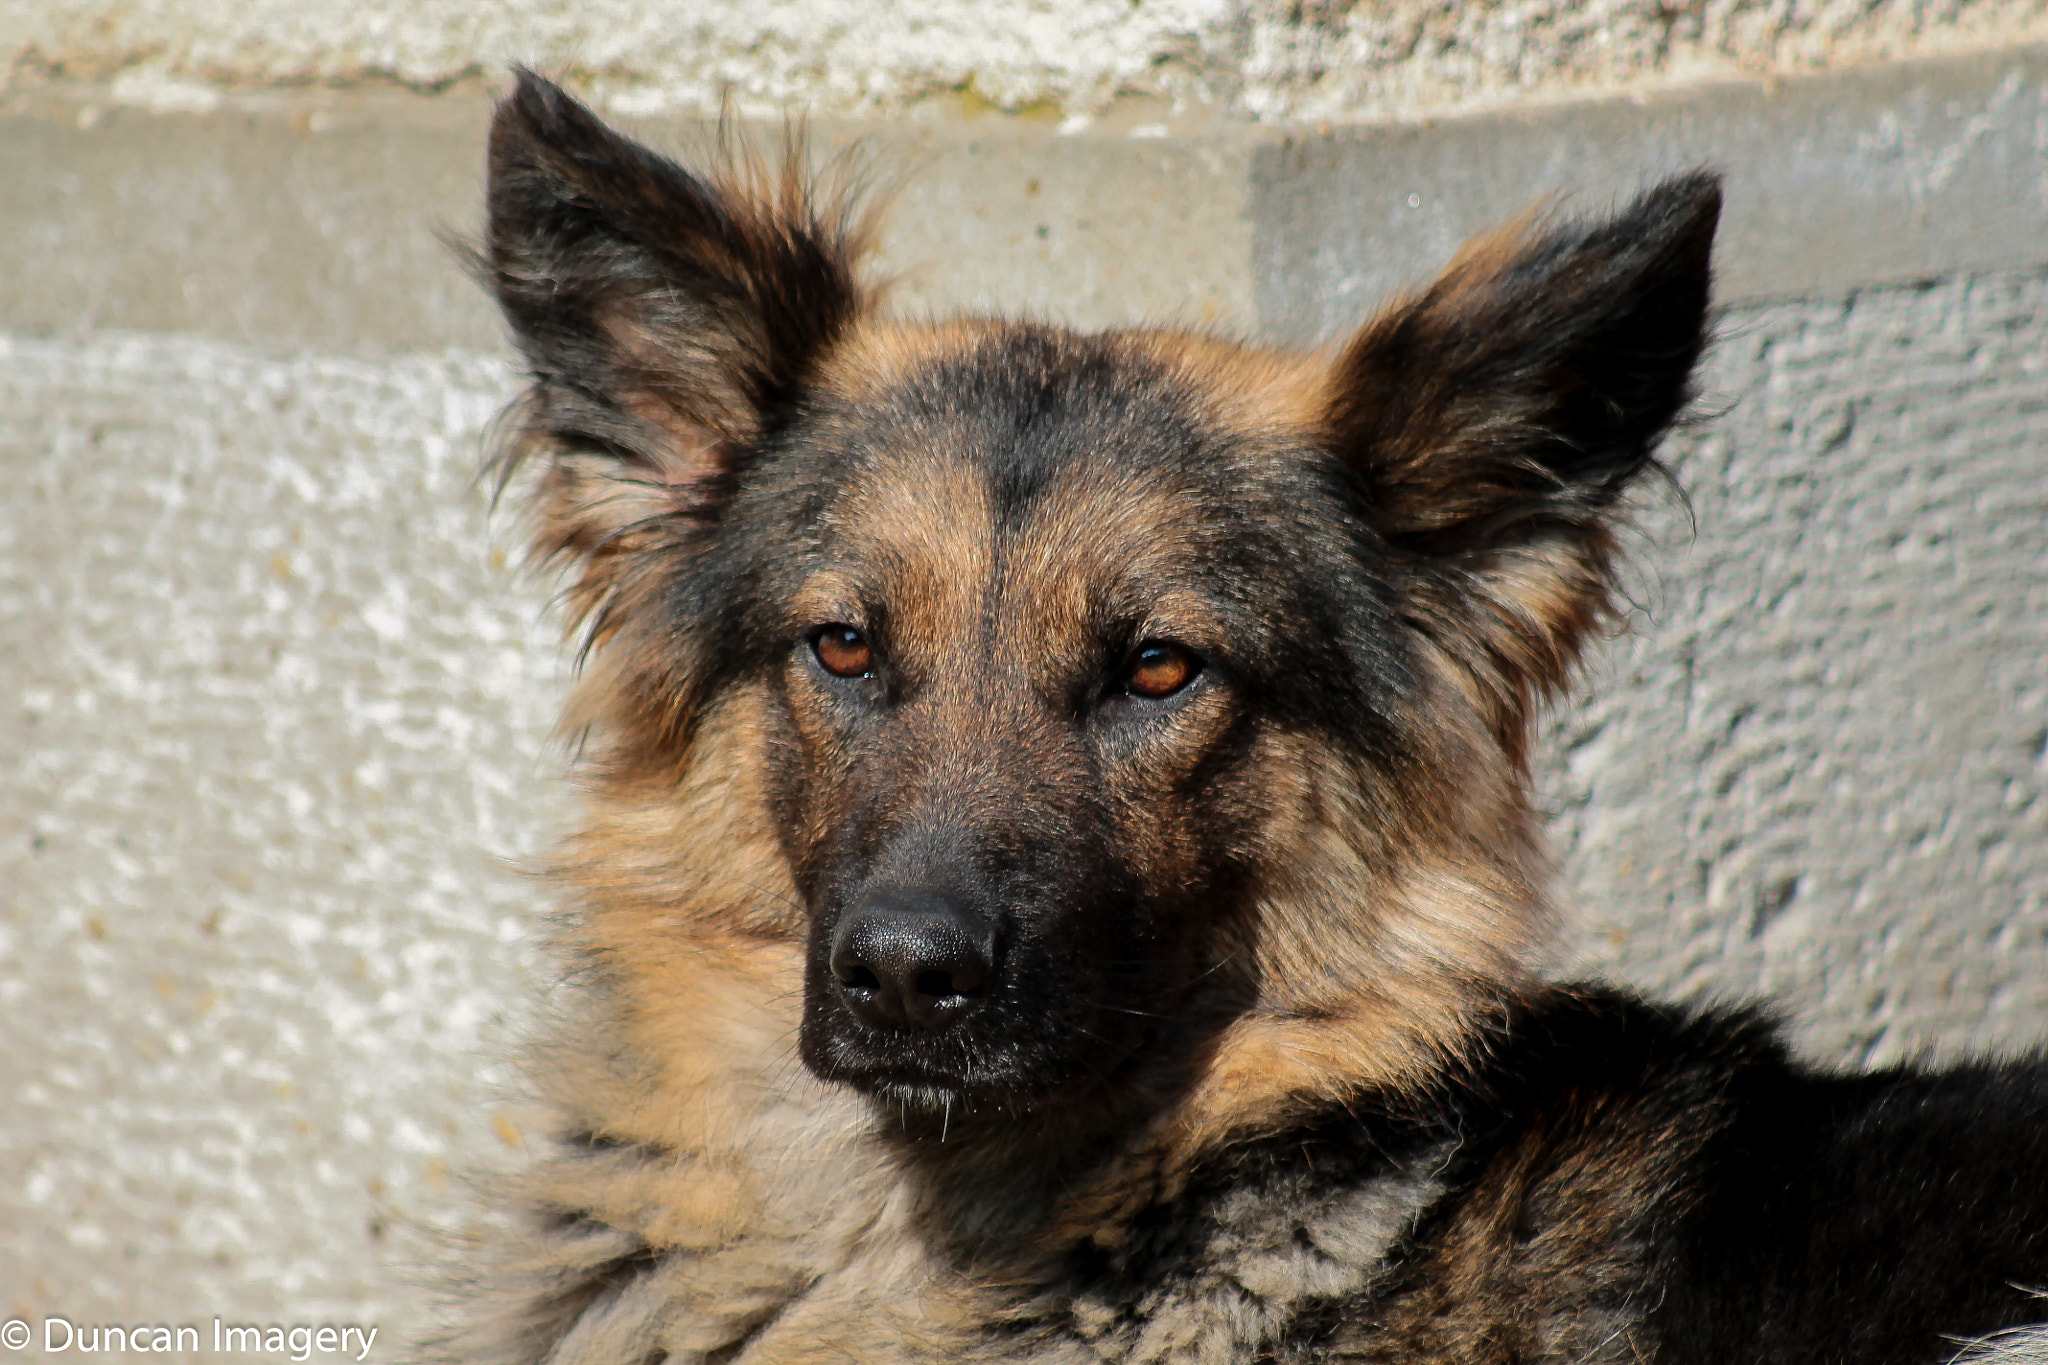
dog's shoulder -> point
(1641, 1181)
(1570, 1141)
(1512, 1208)
(1605, 1178)
(1891, 1214)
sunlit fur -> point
(1265, 938)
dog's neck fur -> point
(810, 1222)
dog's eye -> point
(843, 652)
(1159, 669)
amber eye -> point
(1159, 669)
(843, 652)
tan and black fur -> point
(1058, 881)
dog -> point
(1058, 880)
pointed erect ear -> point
(1495, 418)
(665, 318)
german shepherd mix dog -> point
(1058, 880)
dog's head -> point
(1128, 713)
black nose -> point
(911, 961)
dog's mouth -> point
(943, 1080)
(947, 1054)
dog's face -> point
(1111, 698)
(1021, 591)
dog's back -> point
(1059, 881)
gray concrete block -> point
(309, 221)
(319, 218)
(324, 219)
(1897, 172)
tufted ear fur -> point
(1495, 418)
(666, 319)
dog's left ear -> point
(1495, 418)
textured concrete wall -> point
(1272, 59)
(276, 707)
(275, 735)
(1818, 769)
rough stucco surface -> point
(274, 732)
(1819, 769)
(1267, 59)
(281, 732)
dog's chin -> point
(922, 1103)
(934, 1089)
(945, 1079)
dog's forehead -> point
(934, 539)
(1062, 430)
(1060, 479)
(936, 506)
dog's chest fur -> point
(1612, 1182)
(1238, 1267)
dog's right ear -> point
(665, 318)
